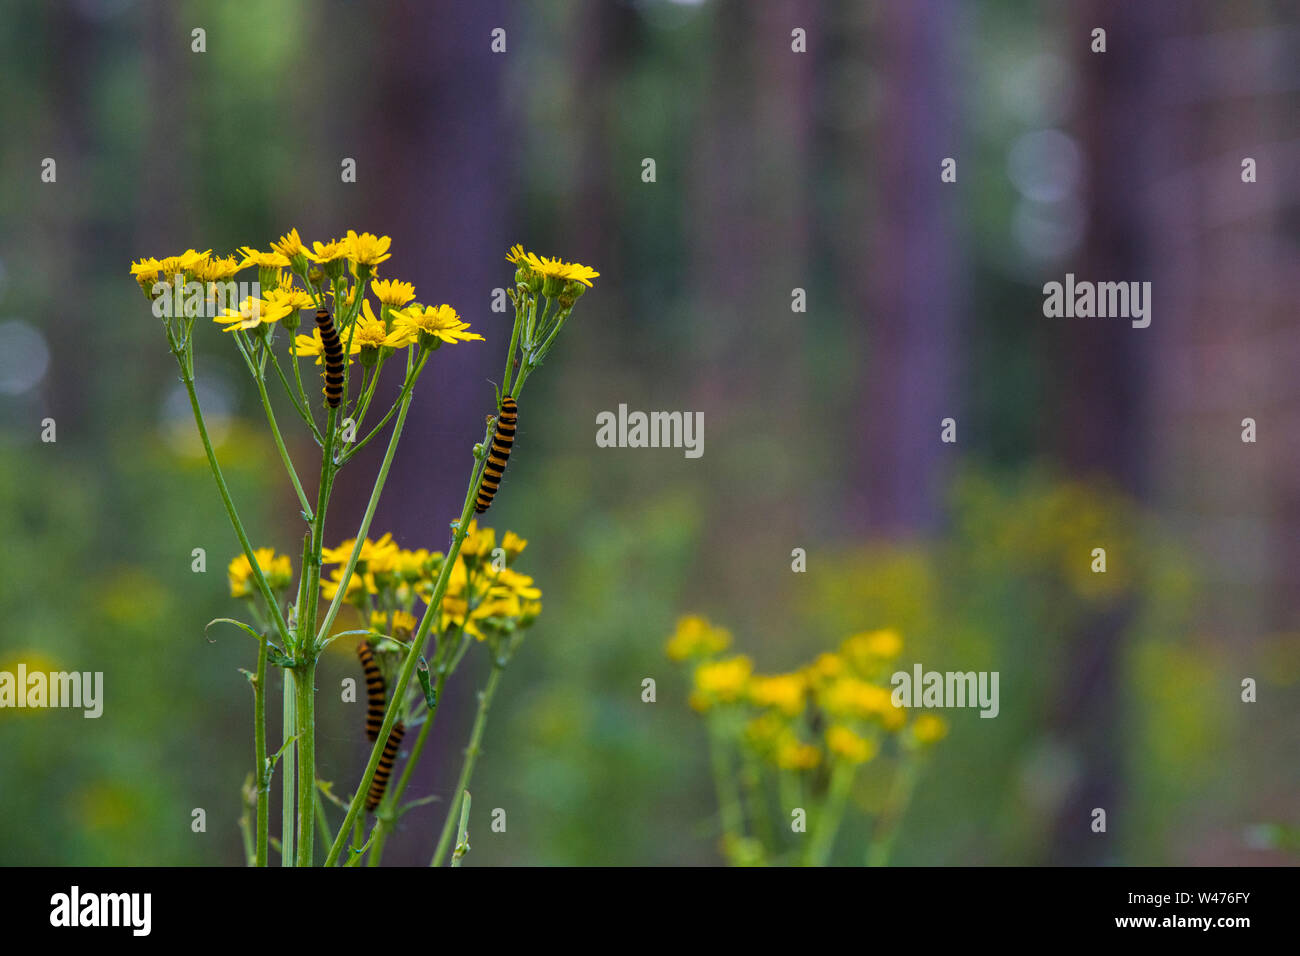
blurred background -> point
(775, 171)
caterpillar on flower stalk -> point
(332, 354)
(503, 438)
(375, 702)
(385, 769)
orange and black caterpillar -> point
(375, 702)
(385, 769)
(503, 437)
(332, 354)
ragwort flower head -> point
(428, 327)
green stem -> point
(390, 809)
(471, 757)
(728, 796)
(510, 356)
(303, 409)
(819, 849)
(261, 773)
(287, 774)
(462, 838)
(322, 824)
(187, 375)
(279, 444)
(891, 815)
(305, 713)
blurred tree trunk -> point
(910, 274)
(1100, 429)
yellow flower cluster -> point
(485, 597)
(401, 321)
(837, 708)
(276, 568)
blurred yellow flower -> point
(277, 569)
(384, 550)
(929, 729)
(723, 681)
(843, 742)
(785, 692)
(696, 637)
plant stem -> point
(819, 849)
(279, 444)
(305, 714)
(187, 375)
(390, 810)
(891, 815)
(728, 796)
(287, 774)
(471, 757)
(462, 838)
(261, 773)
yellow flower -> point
(216, 268)
(392, 292)
(723, 681)
(826, 667)
(252, 313)
(696, 637)
(843, 742)
(263, 260)
(146, 267)
(277, 569)
(513, 545)
(293, 300)
(549, 268)
(411, 565)
(187, 261)
(357, 585)
(367, 248)
(417, 321)
(478, 542)
(370, 332)
(324, 252)
(869, 650)
(404, 623)
(370, 550)
(312, 345)
(851, 697)
(785, 692)
(928, 729)
(793, 754)
(290, 245)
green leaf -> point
(430, 695)
(239, 624)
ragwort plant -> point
(424, 610)
(786, 749)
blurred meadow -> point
(775, 171)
